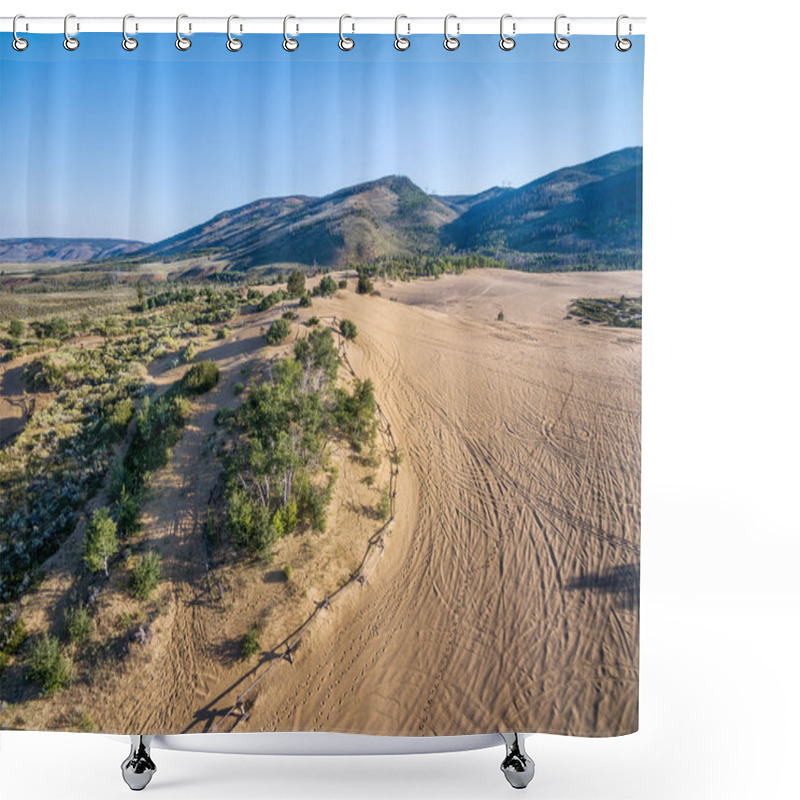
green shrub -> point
(100, 543)
(127, 512)
(501, 316)
(250, 643)
(312, 321)
(146, 575)
(385, 505)
(189, 353)
(222, 333)
(355, 413)
(78, 625)
(364, 285)
(273, 298)
(278, 331)
(12, 639)
(296, 284)
(200, 378)
(16, 328)
(343, 283)
(81, 722)
(238, 388)
(348, 329)
(305, 300)
(287, 572)
(49, 666)
(327, 286)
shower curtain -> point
(320, 384)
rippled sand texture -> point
(508, 597)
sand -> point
(507, 598)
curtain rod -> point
(407, 25)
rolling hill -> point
(389, 216)
(587, 215)
(591, 206)
(45, 249)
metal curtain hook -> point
(345, 42)
(18, 43)
(401, 42)
(181, 41)
(128, 42)
(623, 45)
(560, 43)
(289, 43)
(233, 44)
(506, 42)
(70, 42)
(450, 42)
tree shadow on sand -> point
(622, 582)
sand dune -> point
(508, 598)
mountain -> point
(589, 207)
(49, 250)
(389, 216)
(586, 216)
(463, 202)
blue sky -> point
(102, 142)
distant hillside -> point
(45, 249)
(586, 216)
(588, 207)
(390, 216)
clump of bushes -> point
(296, 285)
(327, 286)
(100, 543)
(49, 666)
(355, 413)
(146, 575)
(189, 353)
(278, 331)
(385, 505)
(78, 625)
(12, 636)
(273, 482)
(250, 643)
(271, 299)
(348, 329)
(364, 285)
(200, 378)
(343, 283)
(305, 300)
(16, 328)
(312, 321)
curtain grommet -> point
(401, 43)
(182, 42)
(561, 43)
(70, 42)
(17, 42)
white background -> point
(720, 554)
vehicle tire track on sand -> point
(518, 492)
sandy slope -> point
(508, 598)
